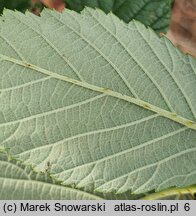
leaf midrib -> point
(116, 69)
(171, 192)
(145, 105)
(146, 72)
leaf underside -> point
(110, 106)
(20, 182)
(153, 13)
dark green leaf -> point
(20, 5)
(153, 13)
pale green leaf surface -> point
(18, 182)
(109, 105)
(153, 13)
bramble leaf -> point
(109, 105)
